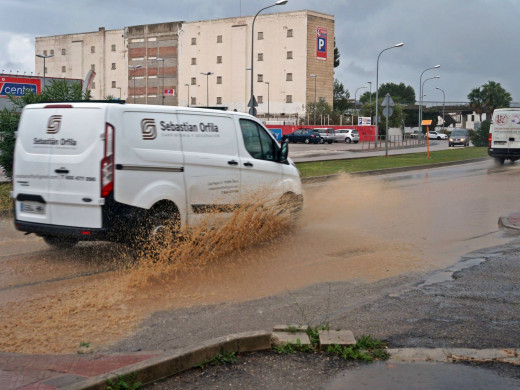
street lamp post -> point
(268, 113)
(370, 96)
(355, 101)
(134, 68)
(443, 103)
(251, 100)
(207, 74)
(44, 58)
(162, 60)
(187, 85)
(377, 89)
(421, 94)
(315, 76)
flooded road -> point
(362, 229)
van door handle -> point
(232, 162)
(61, 170)
(248, 164)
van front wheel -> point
(60, 242)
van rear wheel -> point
(160, 231)
(60, 242)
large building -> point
(206, 63)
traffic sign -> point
(252, 111)
(387, 101)
(252, 102)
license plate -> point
(32, 207)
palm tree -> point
(494, 96)
(476, 98)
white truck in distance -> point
(112, 171)
(504, 135)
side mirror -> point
(284, 151)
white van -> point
(504, 135)
(105, 171)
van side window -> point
(258, 143)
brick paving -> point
(49, 372)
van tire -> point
(499, 160)
(60, 242)
(161, 229)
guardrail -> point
(395, 142)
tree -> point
(336, 55)
(480, 137)
(400, 93)
(58, 90)
(494, 96)
(476, 103)
(340, 97)
(396, 120)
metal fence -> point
(395, 142)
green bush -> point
(8, 125)
(480, 137)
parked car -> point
(304, 135)
(327, 135)
(436, 135)
(347, 136)
(459, 137)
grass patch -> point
(221, 358)
(6, 203)
(320, 168)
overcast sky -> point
(474, 41)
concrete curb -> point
(451, 355)
(317, 179)
(172, 363)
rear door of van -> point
(57, 165)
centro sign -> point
(17, 86)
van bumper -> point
(42, 229)
(504, 152)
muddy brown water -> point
(352, 228)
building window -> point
(289, 55)
(219, 59)
(260, 78)
(92, 49)
(113, 84)
(219, 100)
(63, 69)
(260, 99)
(63, 52)
(93, 67)
(194, 61)
(219, 79)
(288, 77)
(260, 35)
(113, 65)
(260, 56)
(288, 99)
(93, 85)
(193, 81)
(52, 52)
(113, 47)
(219, 38)
(289, 33)
(45, 52)
(193, 101)
(193, 41)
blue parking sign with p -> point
(322, 44)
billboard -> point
(17, 86)
(321, 43)
(364, 121)
(169, 92)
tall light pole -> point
(421, 94)
(44, 58)
(377, 88)
(207, 74)
(187, 85)
(251, 100)
(370, 96)
(443, 103)
(315, 76)
(162, 59)
(268, 113)
(134, 68)
(355, 100)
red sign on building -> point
(321, 43)
(17, 86)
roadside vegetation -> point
(320, 168)
(6, 203)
